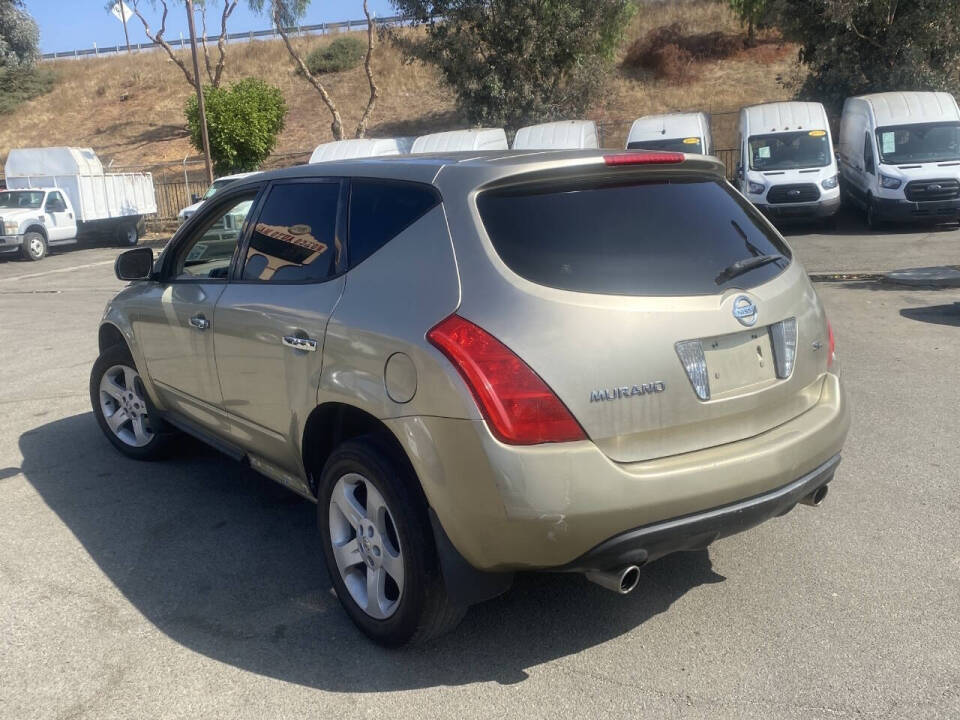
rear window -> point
(684, 145)
(668, 237)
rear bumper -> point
(698, 530)
(545, 507)
(906, 211)
(823, 208)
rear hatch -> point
(662, 310)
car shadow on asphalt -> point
(936, 314)
(228, 564)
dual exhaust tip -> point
(623, 580)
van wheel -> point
(122, 408)
(378, 546)
(873, 218)
(127, 235)
(34, 246)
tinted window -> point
(685, 145)
(669, 237)
(208, 251)
(380, 210)
(295, 239)
(868, 163)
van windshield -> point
(686, 145)
(31, 199)
(921, 142)
(217, 186)
(790, 150)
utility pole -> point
(201, 106)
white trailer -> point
(561, 135)
(70, 197)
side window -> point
(295, 236)
(382, 209)
(868, 163)
(209, 249)
(55, 203)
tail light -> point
(643, 158)
(519, 407)
(831, 346)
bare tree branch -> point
(336, 126)
(374, 90)
(228, 7)
(159, 39)
(203, 41)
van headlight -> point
(10, 227)
(830, 183)
(890, 183)
(756, 188)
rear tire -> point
(123, 409)
(127, 235)
(365, 490)
(34, 246)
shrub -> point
(19, 84)
(342, 54)
(243, 121)
(669, 53)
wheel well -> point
(332, 423)
(109, 336)
(37, 229)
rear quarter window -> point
(669, 237)
(382, 209)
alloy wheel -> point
(366, 546)
(124, 406)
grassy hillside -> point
(130, 108)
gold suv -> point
(483, 363)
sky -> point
(78, 24)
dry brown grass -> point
(130, 108)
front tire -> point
(122, 408)
(34, 246)
(873, 218)
(378, 546)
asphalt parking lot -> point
(193, 588)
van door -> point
(270, 322)
(868, 174)
(59, 219)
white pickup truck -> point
(57, 196)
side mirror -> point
(136, 264)
(194, 198)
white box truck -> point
(788, 168)
(58, 195)
(900, 156)
(673, 132)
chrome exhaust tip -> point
(620, 581)
(816, 498)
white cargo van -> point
(461, 140)
(788, 168)
(58, 195)
(562, 135)
(674, 132)
(900, 155)
(358, 148)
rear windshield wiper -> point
(746, 265)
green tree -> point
(19, 36)
(510, 63)
(752, 13)
(243, 121)
(851, 47)
(285, 15)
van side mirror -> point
(136, 264)
(194, 198)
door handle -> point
(299, 343)
(199, 322)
